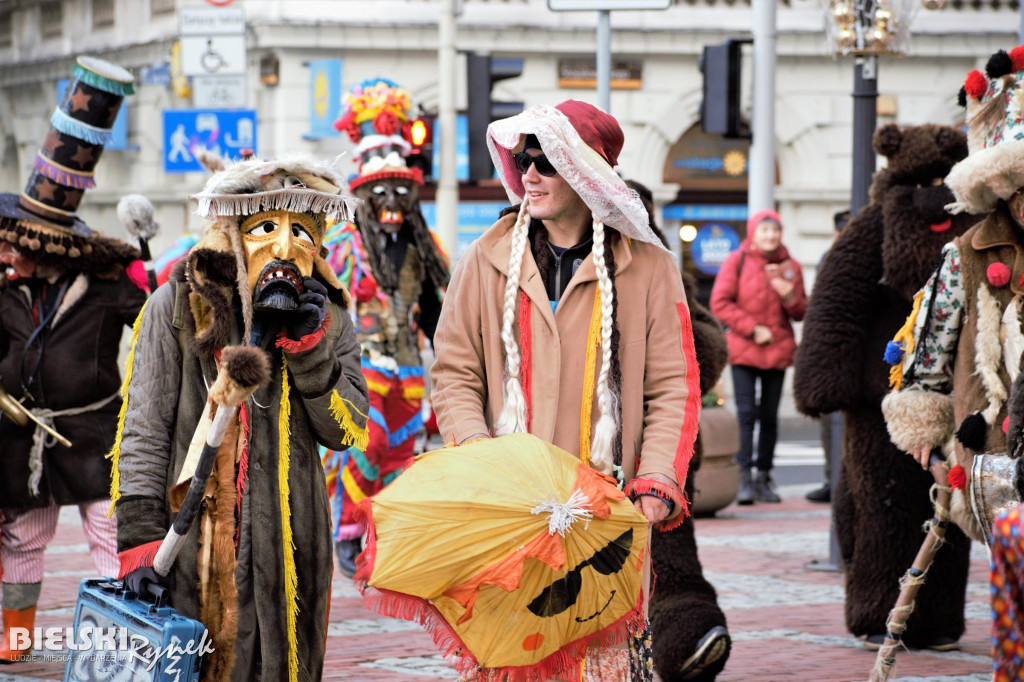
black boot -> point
(822, 494)
(346, 552)
(746, 491)
(764, 489)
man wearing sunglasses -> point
(541, 309)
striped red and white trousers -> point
(25, 533)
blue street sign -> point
(156, 74)
(713, 244)
(324, 98)
(119, 133)
(461, 148)
(705, 212)
(225, 132)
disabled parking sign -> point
(225, 132)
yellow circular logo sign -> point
(734, 163)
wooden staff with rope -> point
(910, 583)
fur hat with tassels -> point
(994, 170)
(217, 266)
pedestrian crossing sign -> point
(226, 132)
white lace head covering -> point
(587, 171)
(582, 143)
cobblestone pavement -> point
(786, 621)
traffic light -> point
(421, 137)
(418, 133)
(482, 72)
(720, 109)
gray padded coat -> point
(165, 401)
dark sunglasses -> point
(523, 161)
(563, 593)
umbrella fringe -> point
(451, 646)
(368, 557)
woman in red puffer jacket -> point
(758, 291)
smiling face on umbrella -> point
(280, 247)
(564, 592)
(552, 556)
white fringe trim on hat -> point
(297, 200)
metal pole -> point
(865, 119)
(865, 97)
(761, 192)
(833, 444)
(446, 200)
(835, 456)
(604, 60)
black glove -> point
(137, 579)
(309, 316)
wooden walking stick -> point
(912, 580)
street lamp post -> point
(865, 120)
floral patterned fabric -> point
(929, 366)
(641, 657)
(1006, 585)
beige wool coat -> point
(660, 391)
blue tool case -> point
(127, 639)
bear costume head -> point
(913, 199)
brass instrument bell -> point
(20, 415)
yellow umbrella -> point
(514, 554)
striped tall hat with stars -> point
(42, 220)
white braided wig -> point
(611, 203)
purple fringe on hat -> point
(63, 176)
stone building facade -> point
(398, 39)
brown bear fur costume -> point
(684, 606)
(863, 294)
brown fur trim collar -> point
(210, 276)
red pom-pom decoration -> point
(1017, 57)
(386, 123)
(976, 84)
(366, 289)
(345, 122)
(407, 131)
(1006, 424)
(998, 274)
(957, 478)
